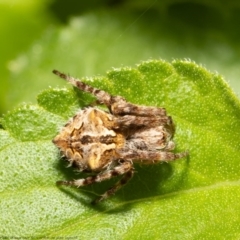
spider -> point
(107, 144)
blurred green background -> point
(86, 38)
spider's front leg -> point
(124, 168)
(116, 104)
(102, 96)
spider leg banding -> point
(107, 144)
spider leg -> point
(123, 181)
(149, 157)
(102, 96)
(116, 104)
(123, 168)
(130, 120)
(123, 107)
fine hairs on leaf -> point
(192, 198)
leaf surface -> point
(193, 198)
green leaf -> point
(193, 198)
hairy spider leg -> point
(148, 157)
(102, 96)
(116, 104)
(122, 107)
(131, 120)
(123, 181)
(125, 168)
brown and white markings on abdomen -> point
(107, 144)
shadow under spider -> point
(146, 183)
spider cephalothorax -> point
(108, 143)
